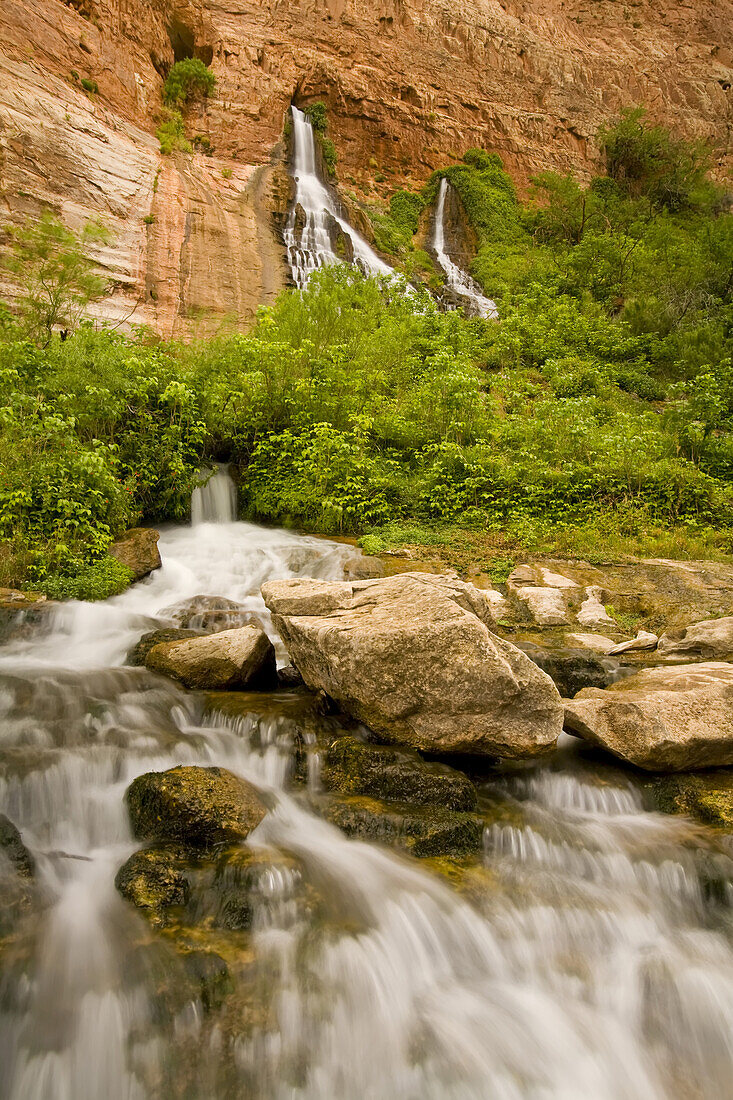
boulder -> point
(138, 550)
(710, 640)
(242, 658)
(139, 652)
(661, 719)
(194, 806)
(288, 677)
(363, 567)
(599, 643)
(210, 614)
(706, 796)
(355, 767)
(592, 611)
(413, 657)
(546, 605)
(154, 879)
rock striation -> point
(414, 658)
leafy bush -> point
(89, 85)
(187, 79)
(172, 135)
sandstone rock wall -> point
(408, 84)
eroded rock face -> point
(138, 550)
(241, 658)
(414, 658)
(193, 806)
(661, 719)
(710, 640)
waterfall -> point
(457, 279)
(216, 501)
(315, 215)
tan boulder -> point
(413, 657)
(710, 640)
(241, 658)
(138, 550)
(661, 719)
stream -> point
(592, 961)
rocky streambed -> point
(379, 870)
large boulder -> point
(138, 550)
(194, 806)
(661, 719)
(710, 640)
(139, 652)
(242, 658)
(413, 657)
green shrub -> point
(317, 115)
(187, 80)
(89, 85)
(172, 135)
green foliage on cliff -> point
(595, 418)
(187, 80)
(172, 134)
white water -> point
(589, 966)
(310, 247)
(457, 279)
(216, 501)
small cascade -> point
(315, 218)
(216, 501)
(458, 280)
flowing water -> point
(316, 218)
(458, 280)
(589, 958)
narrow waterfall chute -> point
(459, 281)
(315, 216)
(216, 501)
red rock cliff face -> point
(408, 83)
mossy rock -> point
(352, 766)
(136, 656)
(421, 831)
(154, 879)
(202, 807)
(14, 850)
(706, 796)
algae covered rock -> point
(353, 767)
(154, 879)
(706, 796)
(661, 719)
(414, 658)
(193, 805)
(420, 831)
(14, 850)
(241, 658)
(139, 652)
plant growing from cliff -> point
(89, 85)
(172, 134)
(318, 117)
(57, 275)
(187, 80)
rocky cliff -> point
(409, 84)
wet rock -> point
(710, 640)
(154, 879)
(546, 605)
(661, 719)
(210, 975)
(362, 567)
(210, 614)
(426, 831)
(570, 672)
(137, 655)
(241, 658)
(413, 657)
(193, 805)
(353, 767)
(289, 677)
(644, 640)
(706, 796)
(138, 550)
(23, 614)
(14, 850)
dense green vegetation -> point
(318, 117)
(187, 80)
(596, 418)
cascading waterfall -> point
(309, 244)
(457, 279)
(593, 964)
(216, 500)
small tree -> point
(186, 80)
(55, 272)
